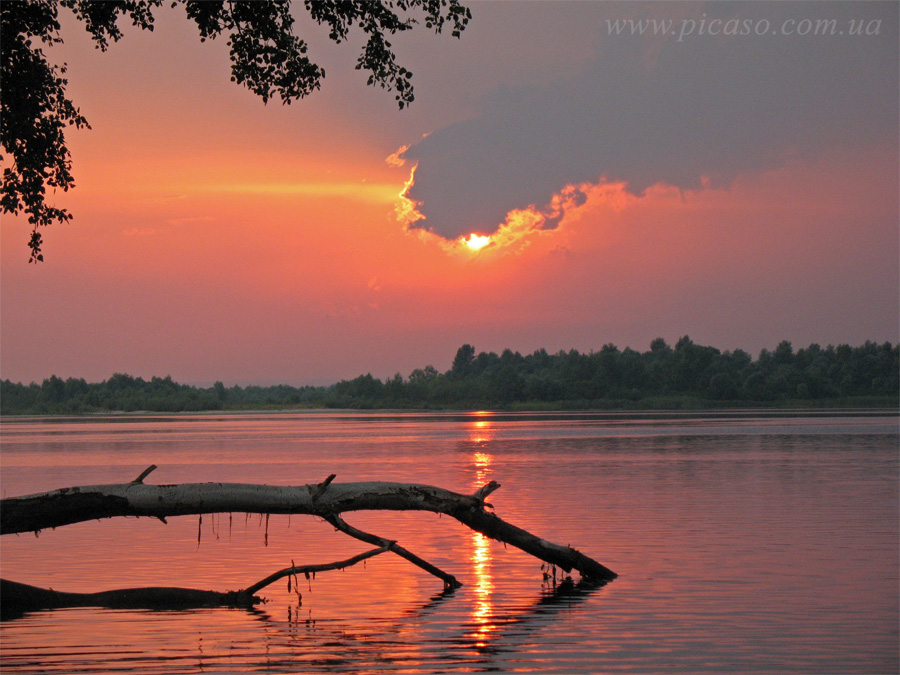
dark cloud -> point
(689, 112)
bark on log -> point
(32, 513)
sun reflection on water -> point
(480, 433)
(483, 609)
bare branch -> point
(146, 472)
(485, 490)
(449, 580)
(308, 569)
(318, 490)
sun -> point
(476, 242)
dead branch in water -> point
(327, 500)
(16, 598)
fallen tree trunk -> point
(327, 500)
(36, 512)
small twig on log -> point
(146, 472)
(485, 490)
(319, 489)
(449, 580)
(311, 569)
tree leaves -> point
(34, 113)
(266, 57)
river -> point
(745, 542)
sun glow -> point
(476, 242)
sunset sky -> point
(740, 189)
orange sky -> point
(219, 239)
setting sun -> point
(476, 242)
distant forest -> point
(684, 376)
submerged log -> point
(17, 599)
(328, 500)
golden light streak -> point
(480, 432)
(483, 609)
(364, 192)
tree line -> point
(686, 375)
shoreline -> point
(791, 410)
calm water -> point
(743, 544)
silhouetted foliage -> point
(464, 360)
(266, 57)
(663, 377)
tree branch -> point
(449, 580)
(485, 490)
(146, 472)
(318, 490)
(311, 569)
